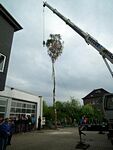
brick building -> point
(95, 98)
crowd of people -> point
(9, 126)
(24, 123)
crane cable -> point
(43, 26)
(44, 43)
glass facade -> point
(3, 105)
(17, 107)
(21, 107)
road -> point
(60, 139)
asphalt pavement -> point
(60, 139)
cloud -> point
(80, 68)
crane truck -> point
(106, 55)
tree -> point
(87, 110)
(47, 111)
(45, 108)
(68, 110)
(61, 113)
(73, 108)
(91, 112)
(55, 47)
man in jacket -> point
(4, 132)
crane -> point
(106, 55)
(87, 37)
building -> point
(14, 102)
(8, 25)
(95, 98)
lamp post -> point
(55, 46)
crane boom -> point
(87, 37)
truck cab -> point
(108, 113)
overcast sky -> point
(80, 69)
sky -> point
(80, 69)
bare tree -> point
(55, 47)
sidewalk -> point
(60, 139)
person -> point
(81, 121)
(4, 133)
(1, 134)
(11, 130)
(80, 129)
(33, 122)
(39, 123)
(29, 122)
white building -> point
(14, 102)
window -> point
(23, 110)
(28, 110)
(18, 104)
(109, 102)
(2, 62)
(20, 107)
(13, 110)
(33, 111)
(24, 105)
(13, 104)
(28, 105)
(2, 102)
(33, 106)
(2, 109)
(18, 110)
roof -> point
(9, 18)
(96, 93)
(19, 95)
